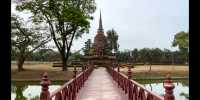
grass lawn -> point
(34, 72)
(158, 71)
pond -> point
(181, 90)
(31, 90)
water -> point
(181, 90)
(31, 90)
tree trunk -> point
(150, 68)
(67, 56)
(64, 65)
(20, 63)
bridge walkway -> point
(101, 86)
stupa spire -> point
(100, 24)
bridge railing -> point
(137, 91)
(69, 90)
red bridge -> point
(103, 84)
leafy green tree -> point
(122, 56)
(87, 47)
(25, 40)
(76, 55)
(67, 19)
(167, 56)
(151, 56)
(112, 39)
(181, 39)
(43, 55)
(144, 55)
(135, 54)
(156, 54)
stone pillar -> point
(169, 86)
(45, 82)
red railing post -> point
(118, 68)
(118, 77)
(45, 82)
(169, 86)
(129, 72)
(113, 72)
(75, 71)
(75, 83)
(129, 81)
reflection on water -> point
(18, 90)
(181, 90)
(31, 90)
(28, 90)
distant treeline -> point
(139, 56)
(153, 56)
(46, 55)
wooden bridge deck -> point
(101, 86)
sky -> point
(139, 23)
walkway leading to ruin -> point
(101, 86)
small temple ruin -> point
(98, 54)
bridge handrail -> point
(151, 92)
(141, 86)
(137, 91)
(68, 90)
(65, 85)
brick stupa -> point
(97, 54)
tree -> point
(181, 39)
(122, 56)
(13, 54)
(135, 54)
(43, 55)
(112, 39)
(87, 47)
(167, 57)
(67, 19)
(144, 55)
(25, 40)
(76, 55)
(156, 54)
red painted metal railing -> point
(137, 91)
(69, 90)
